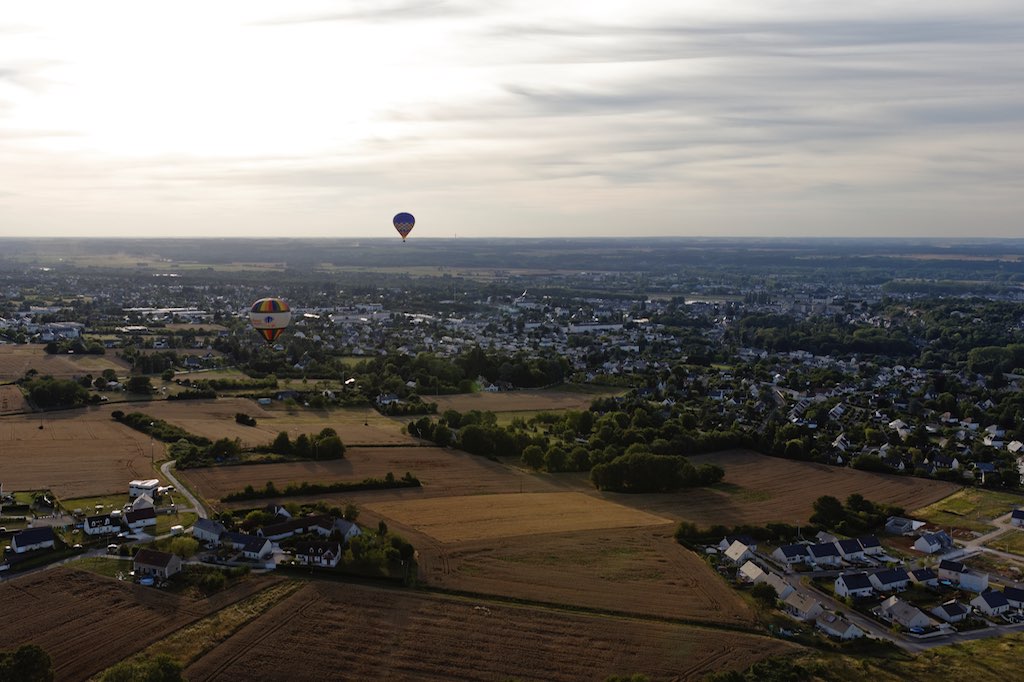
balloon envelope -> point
(403, 223)
(270, 316)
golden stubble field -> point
(759, 489)
(216, 419)
(400, 635)
(12, 400)
(516, 401)
(16, 360)
(77, 453)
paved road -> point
(199, 509)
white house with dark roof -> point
(951, 611)
(324, 553)
(870, 545)
(31, 539)
(1015, 596)
(1017, 517)
(850, 550)
(138, 519)
(890, 580)
(853, 585)
(966, 578)
(924, 576)
(930, 543)
(991, 603)
(824, 554)
(102, 524)
(791, 554)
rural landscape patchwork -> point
(523, 459)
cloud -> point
(375, 12)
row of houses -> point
(829, 553)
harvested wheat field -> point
(479, 517)
(643, 571)
(758, 489)
(400, 635)
(12, 400)
(516, 401)
(77, 453)
(87, 623)
(216, 419)
(441, 472)
(16, 360)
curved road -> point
(178, 487)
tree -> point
(828, 511)
(184, 547)
(351, 512)
(139, 384)
(533, 456)
(29, 663)
(282, 444)
(764, 594)
(555, 459)
(163, 668)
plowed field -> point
(393, 635)
(87, 623)
(759, 489)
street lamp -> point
(151, 425)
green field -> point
(110, 567)
(969, 509)
(1011, 541)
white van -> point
(177, 530)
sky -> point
(512, 119)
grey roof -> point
(824, 549)
(869, 541)
(850, 546)
(209, 526)
(952, 609)
(1013, 594)
(151, 557)
(794, 550)
(1017, 514)
(923, 574)
(954, 566)
(994, 599)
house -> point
(102, 524)
(157, 564)
(930, 543)
(321, 525)
(870, 545)
(751, 573)
(837, 627)
(951, 611)
(31, 539)
(256, 548)
(824, 554)
(791, 554)
(853, 585)
(890, 580)
(897, 525)
(1015, 596)
(924, 576)
(782, 587)
(738, 552)
(207, 530)
(991, 603)
(137, 519)
(349, 530)
(802, 607)
(139, 487)
(895, 610)
(966, 578)
(850, 550)
(318, 553)
(1017, 517)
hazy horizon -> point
(698, 119)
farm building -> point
(318, 553)
(142, 501)
(143, 487)
(158, 564)
(32, 538)
(300, 526)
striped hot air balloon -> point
(270, 316)
(403, 223)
